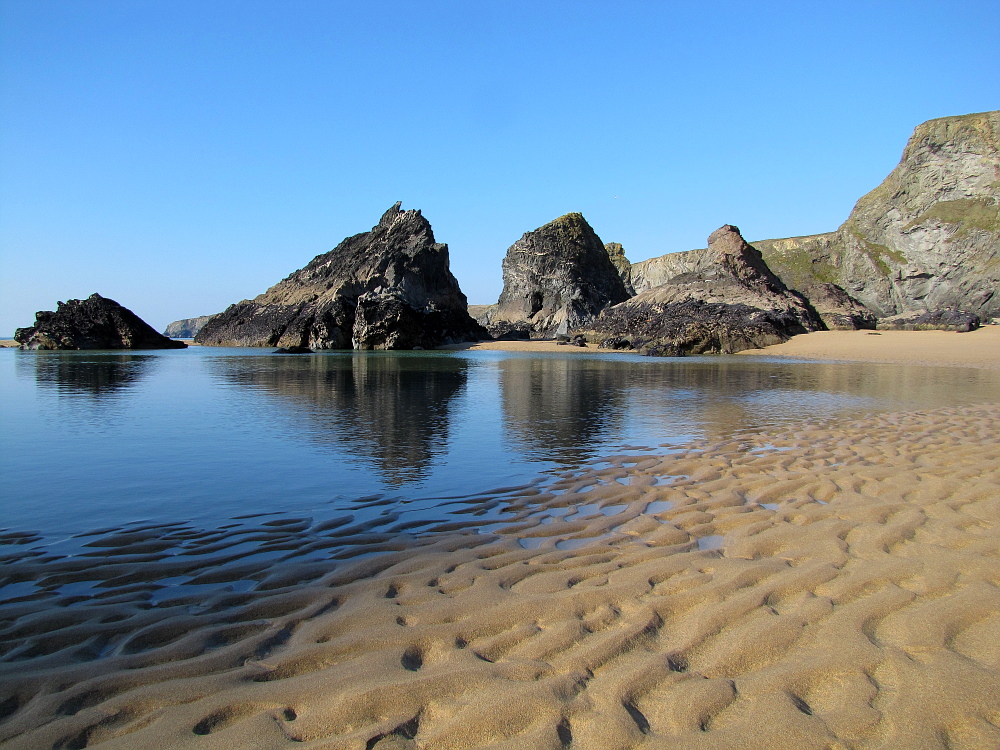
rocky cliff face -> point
(729, 301)
(93, 323)
(390, 288)
(927, 238)
(617, 254)
(556, 278)
(651, 273)
(187, 328)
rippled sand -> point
(833, 586)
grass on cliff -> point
(968, 213)
(798, 264)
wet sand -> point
(834, 585)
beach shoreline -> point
(833, 584)
(979, 348)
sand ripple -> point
(834, 586)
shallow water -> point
(399, 441)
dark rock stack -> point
(389, 288)
(934, 320)
(556, 278)
(93, 323)
(728, 302)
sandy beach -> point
(834, 585)
(979, 348)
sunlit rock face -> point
(927, 238)
(186, 328)
(390, 288)
(92, 323)
(556, 278)
(728, 300)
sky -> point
(181, 155)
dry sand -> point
(830, 586)
(979, 348)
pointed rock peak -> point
(727, 239)
(390, 216)
(570, 221)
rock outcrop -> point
(390, 288)
(187, 328)
(927, 238)
(93, 323)
(935, 320)
(556, 278)
(617, 254)
(727, 302)
(651, 273)
(838, 310)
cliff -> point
(927, 238)
(390, 288)
(186, 328)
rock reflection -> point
(569, 409)
(75, 373)
(389, 409)
(559, 409)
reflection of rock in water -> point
(390, 409)
(98, 375)
(559, 408)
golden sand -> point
(830, 586)
(979, 348)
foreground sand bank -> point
(830, 586)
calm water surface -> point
(203, 435)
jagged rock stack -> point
(390, 288)
(93, 323)
(556, 278)
(729, 301)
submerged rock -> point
(390, 288)
(93, 323)
(558, 277)
(729, 301)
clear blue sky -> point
(182, 155)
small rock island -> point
(93, 323)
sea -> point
(205, 442)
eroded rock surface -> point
(838, 310)
(390, 288)
(556, 278)
(93, 323)
(933, 320)
(186, 328)
(727, 302)
(927, 238)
